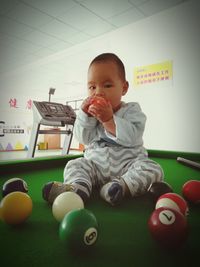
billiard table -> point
(124, 238)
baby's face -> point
(104, 80)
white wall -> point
(172, 111)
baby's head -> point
(106, 77)
(108, 58)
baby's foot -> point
(113, 192)
(52, 189)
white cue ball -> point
(64, 203)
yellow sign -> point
(160, 72)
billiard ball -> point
(157, 189)
(14, 184)
(168, 227)
(64, 203)
(174, 201)
(191, 191)
(98, 100)
(79, 229)
(15, 208)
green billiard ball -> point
(79, 229)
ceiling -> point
(34, 29)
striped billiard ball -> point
(173, 201)
(13, 185)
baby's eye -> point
(91, 87)
(108, 85)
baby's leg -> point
(134, 180)
(141, 174)
(78, 177)
(81, 175)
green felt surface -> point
(124, 239)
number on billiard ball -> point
(174, 201)
(168, 227)
(79, 229)
(14, 184)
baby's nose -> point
(99, 92)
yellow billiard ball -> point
(15, 208)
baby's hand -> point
(100, 108)
(86, 103)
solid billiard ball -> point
(191, 191)
(168, 227)
(157, 189)
(79, 229)
(174, 201)
(64, 203)
(98, 100)
(14, 184)
(15, 208)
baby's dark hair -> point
(110, 57)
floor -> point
(12, 155)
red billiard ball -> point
(168, 227)
(174, 201)
(14, 184)
(191, 191)
(98, 100)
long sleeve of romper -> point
(129, 121)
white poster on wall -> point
(15, 123)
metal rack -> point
(51, 114)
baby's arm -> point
(101, 109)
(129, 124)
(85, 127)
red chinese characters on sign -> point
(29, 104)
(13, 103)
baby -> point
(115, 161)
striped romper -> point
(108, 157)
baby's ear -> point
(125, 88)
